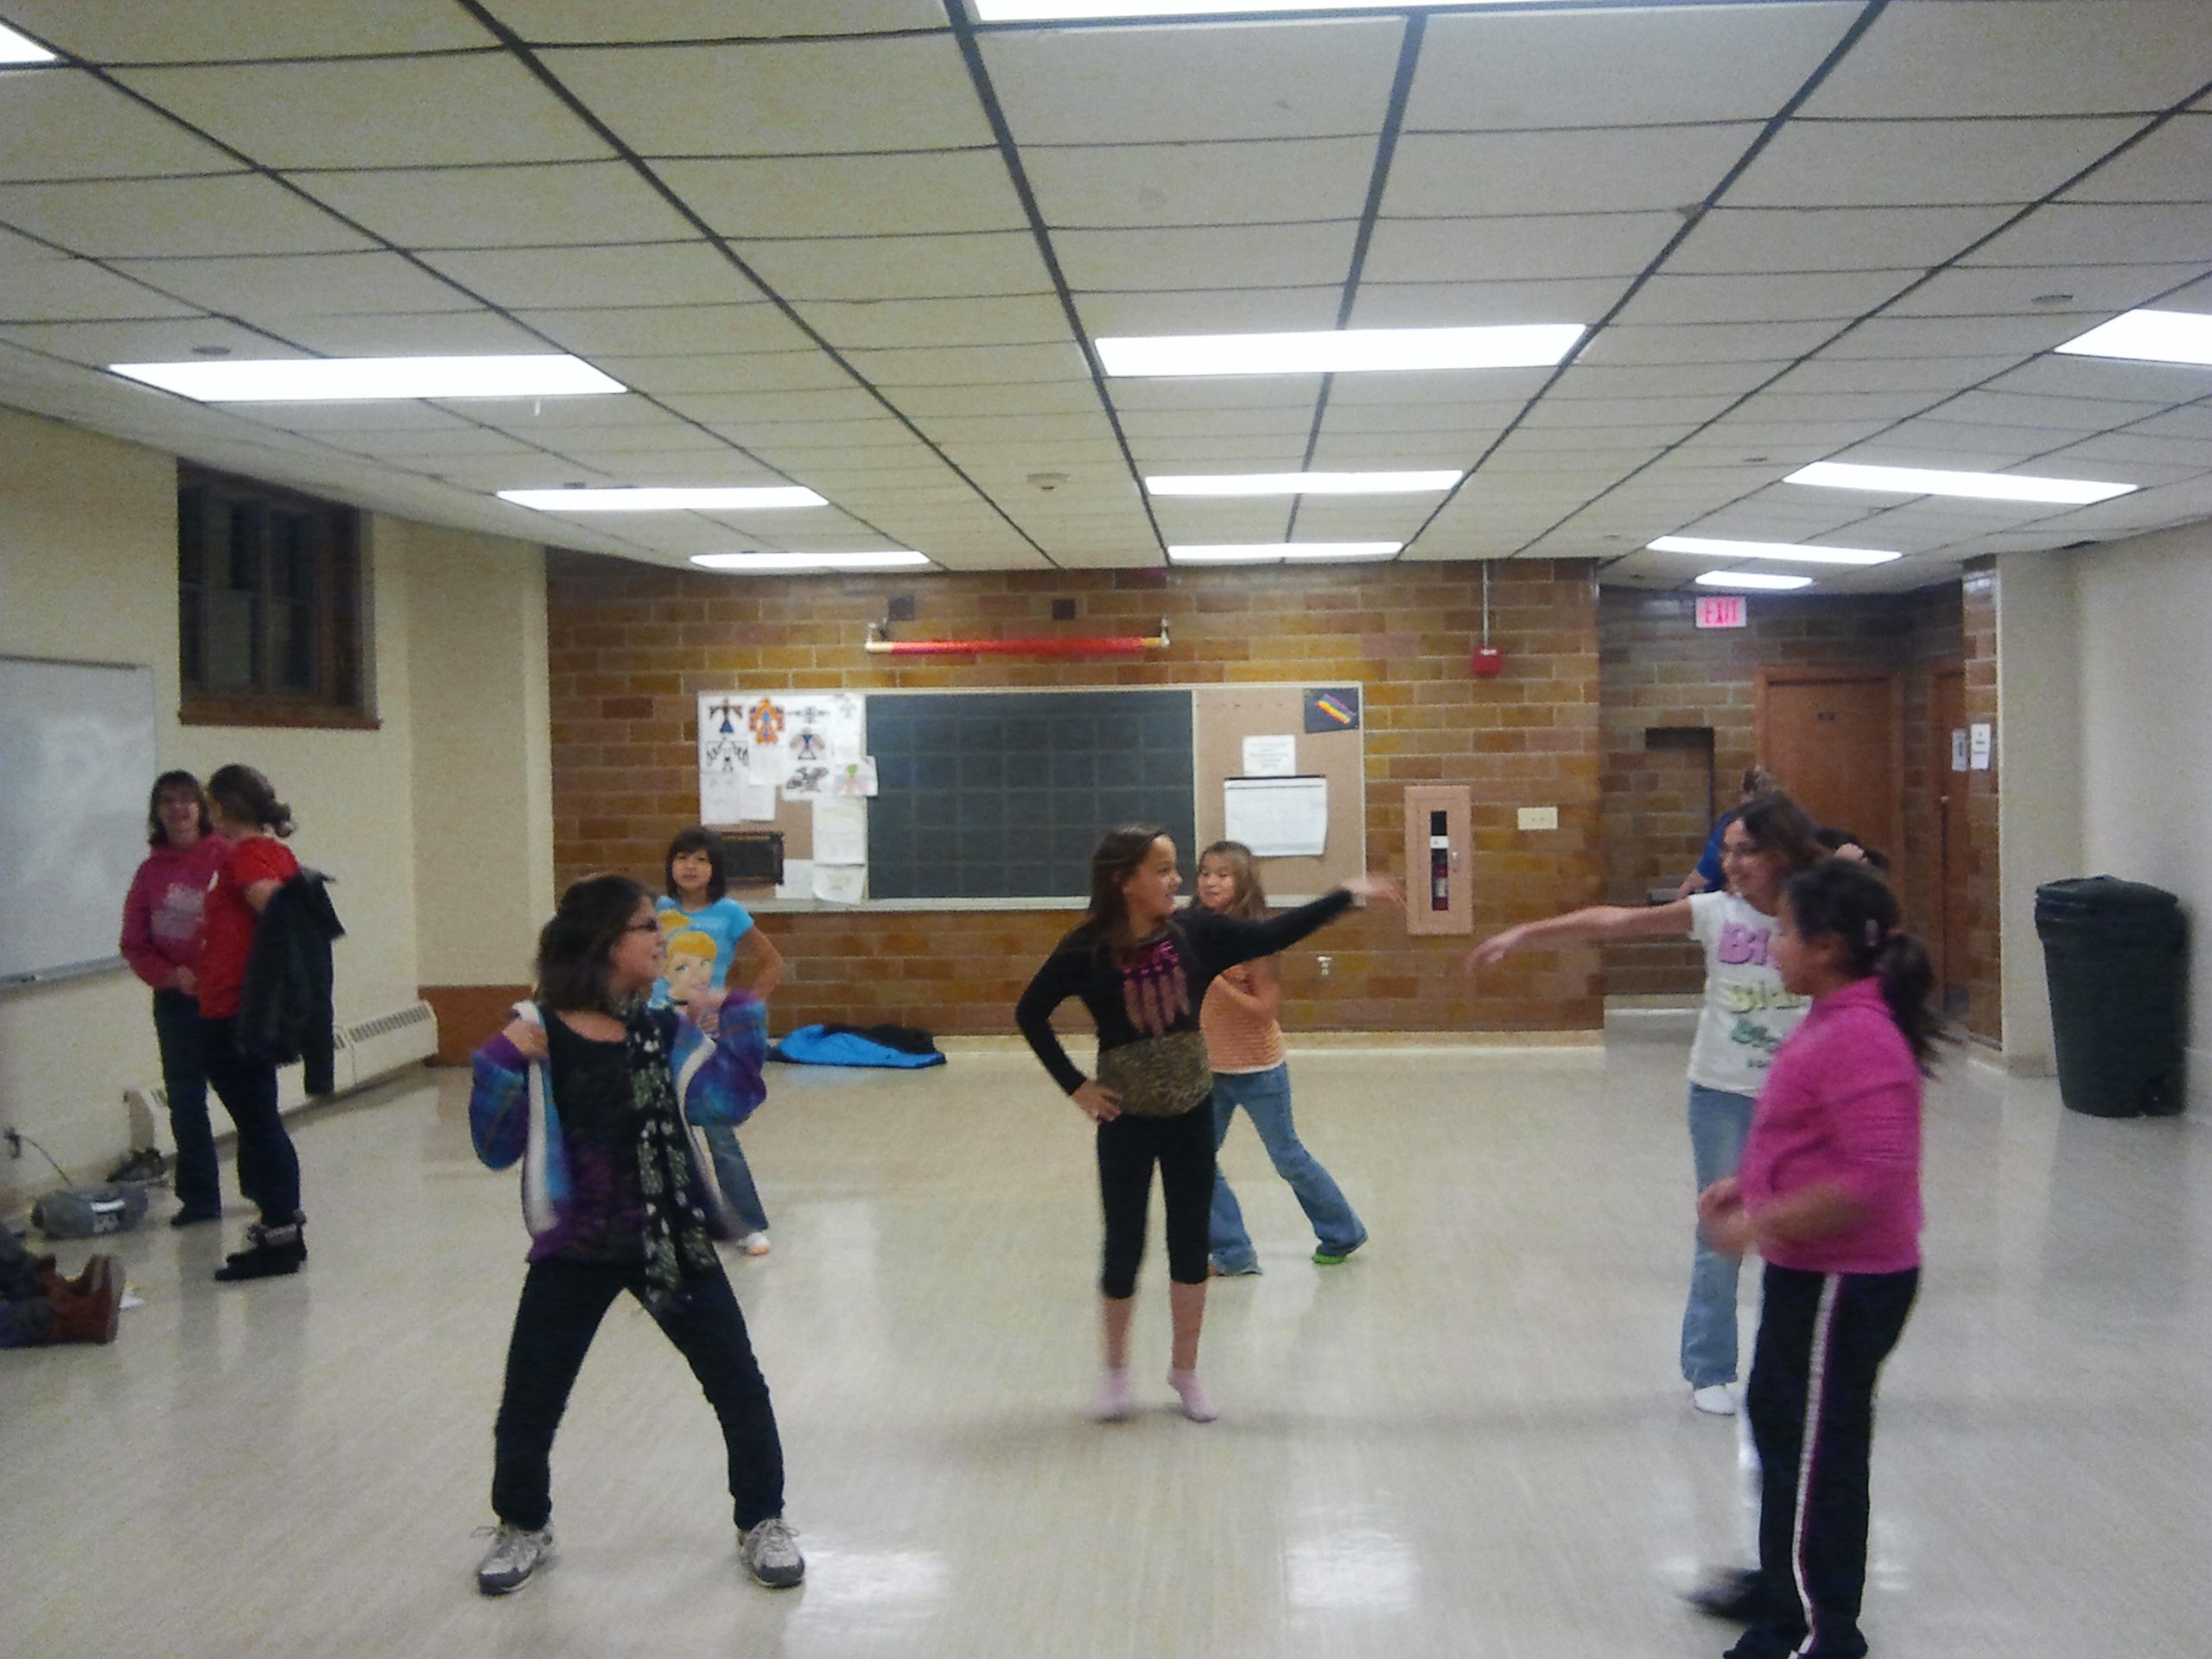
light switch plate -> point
(1540, 817)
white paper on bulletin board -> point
(1277, 817)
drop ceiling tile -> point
(1830, 238)
(2080, 233)
(1462, 305)
(1012, 463)
(1343, 418)
(62, 124)
(175, 217)
(1905, 337)
(1692, 342)
(1934, 375)
(931, 365)
(901, 267)
(1989, 290)
(2125, 458)
(2172, 164)
(1539, 248)
(1934, 441)
(1066, 397)
(593, 23)
(53, 288)
(2029, 57)
(2160, 384)
(1275, 180)
(653, 274)
(807, 196)
(1228, 394)
(1303, 79)
(140, 341)
(2080, 417)
(531, 417)
(1186, 520)
(520, 205)
(426, 451)
(779, 97)
(1243, 455)
(1661, 380)
(1783, 404)
(2193, 422)
(1151, 426)
(1921, 163)
(1228, 256)
(126, 31)
(1222, 311)
(1016, 320)
(269, 287)
(721, 362)
(782, 447)
(968, 431)
(739, 409)
(1459, 175)
(1662, 65)
(374, 112)
(396, 416)
(441, 333)
(1788, 298)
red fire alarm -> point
(1489, 660)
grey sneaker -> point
(516, 1553)
(770, 1556)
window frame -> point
(336, 612)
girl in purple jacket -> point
(1829, 1194)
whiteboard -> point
(77, 759)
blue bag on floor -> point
(898, 1046)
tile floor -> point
(1468, 1441)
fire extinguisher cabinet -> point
(1439, 862)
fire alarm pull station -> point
(1438, 840)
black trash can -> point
(2115, 955)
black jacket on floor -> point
(284, 1013)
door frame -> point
(1890, 836)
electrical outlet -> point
(1327, 964)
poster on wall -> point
(757, 749)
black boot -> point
(270, 1252)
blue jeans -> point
(735, 1177)
(1719, 1122)
(269, 1169)
(1265, 1096)
(184, 1077)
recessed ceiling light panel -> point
(1713, 548)
(13, 48)
(1986, 486)
(733, 498)
(1303, 483)
(1267, 552)
(362, 379)
(1340, 351)
(1758, 580)
(2149, 337)
(769, 563)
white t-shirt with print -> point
(1746, 1012)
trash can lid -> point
(2103, 893)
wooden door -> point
(1834, 737)
(1952, 843)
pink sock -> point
(1111, 1404)
(1196, 1406)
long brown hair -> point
(1248, 900)
(1121, 853)
(576, 948)
(1777, 824)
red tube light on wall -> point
(1114, 645)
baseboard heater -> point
(366, 1053)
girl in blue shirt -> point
(705, 929)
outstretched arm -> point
(1597, 925)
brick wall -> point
(1985, 1016)
(1665, 684)
(631, 646)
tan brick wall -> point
(1657, 669)
(631, 647)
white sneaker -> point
(1714, 1400)
(754, 1244)
(516, 1553)
(770, 1556)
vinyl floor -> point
(1470, 1440)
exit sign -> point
(1720, 611)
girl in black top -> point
(1142, 967)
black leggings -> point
(1182, 1148)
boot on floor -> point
(90, 1314)
(270, 1253)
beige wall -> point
(2145, 691)
(88, 569)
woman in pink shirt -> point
(1829, 1194)
(161, 941)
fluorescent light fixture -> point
(2150, 336)
(1302, 483)
(1757, 579)
(1984, 486)
(1341, 350)
(1267, 552)
(351, 379)
(772, 562)
(1053, 12)
(748, 497)
(13, 48)
(1713, 548)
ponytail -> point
(1849, 903)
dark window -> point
(268, 614)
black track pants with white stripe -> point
(1821, 1342)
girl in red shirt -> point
(247, 812)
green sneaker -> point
(1326, 1257)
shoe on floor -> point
(1221, 1269)
(770, 1556)
(754, 1244)
(1714, 1400)
(88, 1308)
(270, 1253)
(1330, 1255)
(516, 1553)
(1733, 1594)
(143, 1164)
(193, 1214)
